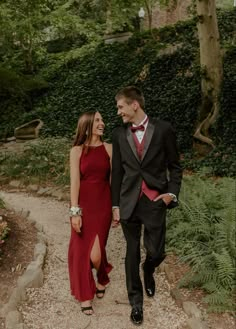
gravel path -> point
(52, 307)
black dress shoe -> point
(149, 284)
(136, 315)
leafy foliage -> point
(171, 82)
(44, 160)
(2, 204)
(221, 161)
(16, 92)
(163, 63)
(202, 231)
(4, 229)
(90, 83)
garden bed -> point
(15, 253)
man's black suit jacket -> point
(159, 166)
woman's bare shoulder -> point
(108, 148)
(109, 145)
(76, 151)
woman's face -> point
(98, 125)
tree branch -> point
(198, 134)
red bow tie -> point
(140, 127)
(133, 129)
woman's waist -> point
(91, 180)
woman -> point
(90, 211)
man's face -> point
(126, 111)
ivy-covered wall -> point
(171, 88)
(165, 64)
(90, 83)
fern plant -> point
(202, 232)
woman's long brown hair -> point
(84, 129)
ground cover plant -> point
(4, 229)
(202, 232)
(43, 161)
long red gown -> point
(95, 200)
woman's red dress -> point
(95, 200)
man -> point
(146, 179)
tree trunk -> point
(148, 6)
(212, 68)
(108, 18)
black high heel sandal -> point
(98, 292)
(87, 308)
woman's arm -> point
(75, 155)
(108, 148)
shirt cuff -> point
(115, 207)
(173, 196)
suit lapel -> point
(132, 143)
(148, 137)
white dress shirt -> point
(140, 133)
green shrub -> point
(16, 91)
(221, 161)
(46, 160)
(87, 78)
(4, 229)
(202, 232)
(171, 83)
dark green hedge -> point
(226, 126)
(172, 88)
(90, 83)
(16, 94)
(171, 84)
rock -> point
(32, 278)
(29, 130)
(196, 323)
(11, 139)
(32, 221)
(13, 319)
(17, 295)
(57, 194)
(15, 183)
(161, 267)
(3, 218)
(192, 310)
(178, 297)
(66, 196)
(43, 190)
(39, 227)
(4, 180)
(40, 249)
(41, 237)
(169, 273)
(32, 187)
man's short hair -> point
(131, 93)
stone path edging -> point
(31, 278)
(195, 317)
